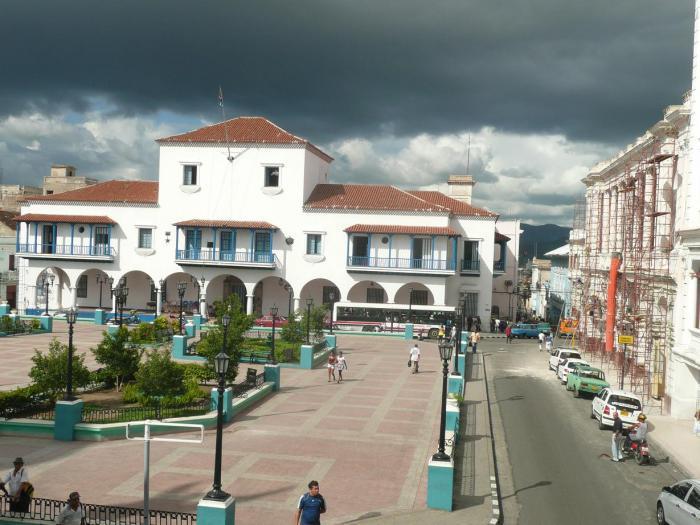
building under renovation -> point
(622, 264)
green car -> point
(586, 379)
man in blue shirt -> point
(311, 506)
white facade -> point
(243, 234)
(505, 278)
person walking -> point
(548, 343)
(414, 357)
(696, 425)
(16, 486)
(474, 339)
(73, 513)
(617, 438)
(340, 366)
(509, 334)
(441, 333)
(332, 361)
(540, 336)
(496, 325)
(310, 507)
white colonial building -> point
(245, 207)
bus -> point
(379, 317)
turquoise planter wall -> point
(216, 512)
(306, 357)
(272, 375)
(408, 333)
(440, 484)
(228, 402)
(46, 322)
(67, 415)
(112, 329)
(455, 384)
(197, 320)
(190, 329)
(99, 317)
(4, 309)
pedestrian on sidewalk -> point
(696, 425)
(548, 343)
(332, 361)
(474, 339)
(413, 358)
(493, 325)
(540, 336)
(73, 513)
(496, 325)
(310, 507)
(617, 438)
(509, 334)
(340, 366)
(441, 333)
(19, 490)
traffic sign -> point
(625, 339)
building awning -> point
(70, 219)
(208, 223)
(399, 229)
(500, 237)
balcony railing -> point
(97, 250)
(469, 266)
(499, 266)
(401, 264)
(209, 255)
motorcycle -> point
(639, 450)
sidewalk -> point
(675, 438)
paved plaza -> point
(367, 442)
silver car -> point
(679, 504)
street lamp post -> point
(273, 312)
(458, 337)
(70, 318)
(46, 283)
(100, 282)
(331, 296)
(445, 354)
(181, 289)
(309, 302)
(221, 364)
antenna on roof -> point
(223, 117)
(469, 149)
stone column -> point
(159, 302)
(249, 304)
(297, 302)
(73, 296)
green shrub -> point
(143, 333)
(281, 346)
(131, 394)
(19, 398)
(293, 331)
(49, 372)
(316, 321)
(119, 356)
(160, 376)
(194, 373)
(7, 325)
(36, 324)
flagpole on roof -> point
(223, 117)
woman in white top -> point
(340, 366)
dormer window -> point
(272, 176)
(189, 175)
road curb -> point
(496, 507)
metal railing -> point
(47, 509)
(98, 250)
(499, 266)
(156, 411)
(43, 410)
(401, 264)
(320, 346)
(469, 265)
(242, 389)
(209, 254)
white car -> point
(608, 401)
(567, 366)
(560, 355)
(679, 504)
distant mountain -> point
(535, 241)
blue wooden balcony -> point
(98, 252)
(398, 265)
(213, 257)
(470, 267)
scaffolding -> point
(629, 214)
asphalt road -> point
(559, 467)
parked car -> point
(586, 379)
(569, 364)
(560, 355)
(529, 330)
(266, 320)
(679, 504)
(608, 401)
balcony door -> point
(193, 243)
(227, 246)
(421, 252)
(101, 241)
(360, 250)
(263, 247)
(47, 238)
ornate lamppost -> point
(309, 303)
(120, 293)
(71, 317)
(221, 364)
(46, 282)
(181, 289)
(101, 280)
(331, 296)
(445, 354)
(273, 311)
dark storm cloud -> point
(329, 69)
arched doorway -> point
(52, 290)
(221, 286)
(170, 296)
(319, 290)
(414, 293)
(273, 291)
(367, 292)
(92, 289)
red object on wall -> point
(615, 262)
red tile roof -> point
(244, 130)
(390, 198)
(206, 223)
(396, 228)
(74, 219)
(366, 197)
(456, 207)
(501, 237)
(111, 191)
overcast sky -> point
(391, 88)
